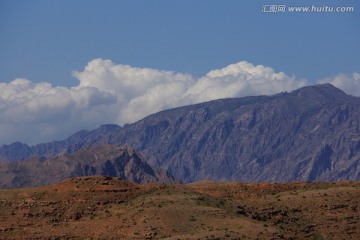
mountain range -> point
(310, 134)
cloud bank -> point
(115, 93)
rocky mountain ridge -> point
(104, 160)
(310, 134)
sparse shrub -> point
(220, 203)
(108, 213)
(201, 198)
(318, 237)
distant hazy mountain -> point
(106, 160)
(311, 134)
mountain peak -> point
(325, 91)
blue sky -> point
(47, 40)
(59, 46)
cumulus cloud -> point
(348, 83)
(33, 112)
(139, 91)
(114, 93)
(25, 102)
(241, 79)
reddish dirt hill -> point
(110, 208)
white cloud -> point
(125, 81)
(113, 93)
(139, 91)
(40, 112)
(241, 79)
(348, 83)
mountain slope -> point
(311, 134)
(106, 160)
